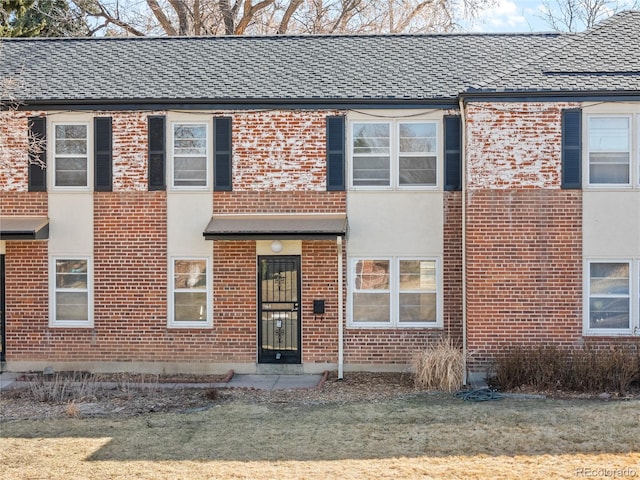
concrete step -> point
(279, 369)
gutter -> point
(235, 104)
(550, 96)
(340, 311)
(463, 154)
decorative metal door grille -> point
(279, 309)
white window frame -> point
(207, 122)
(84, 121)
(394, 293)
(394, 153)
(633, 160)
(208, 322)
(53, 290)
(634, 298)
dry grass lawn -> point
(417, 436)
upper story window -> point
(394, 154)
(71, 155)
(609, 150)
(190, 154)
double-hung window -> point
(71, 292)
(609, 150)
(394, 292)
(190, 292)
(71, 155)
(190, 154)
(394, 154)
(609, 298)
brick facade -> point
(523, 249)
(523, 233)
(279, 167)
(524, 270)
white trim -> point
(394, 293)
(88, 323)
(633, 298)
(171, 322)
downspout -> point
(340, 312)
(463, 161)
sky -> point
(510, 16)
(517, 16)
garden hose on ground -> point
(478, 395)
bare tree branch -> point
(249, 11)
(237, 17)
(286, 18)
(576, 15)
(162, 18)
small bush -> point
(212, 393)
(439, 366)
(72, 410)
(585, 369)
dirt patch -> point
(130, 395)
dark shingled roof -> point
(290, 68)
(315, 69)
(603, 59)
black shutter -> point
(572, 149)
(222, 158)
(37, 154)
(103, 154)
(452, 153)
(156, 127)
(335, 153)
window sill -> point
(388, 326)
(71, 325)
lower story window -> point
(609, 298)
(190, 293)
(394, 292)
(71, 292)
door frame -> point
(285, 356)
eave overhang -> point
(24, 228)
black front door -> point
(279, 309)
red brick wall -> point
(320, 282)
(452, 266)
(23, 203)
(278, 202)
(27, 284)
(524, 234)
(234, 298)
(13, 150)
(279, 150)
(130, 145)
(524, 270)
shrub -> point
(61, 388)
(582, 370)
(439, 366)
